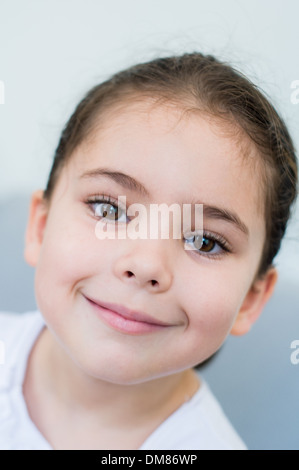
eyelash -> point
(218, 239)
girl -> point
(107, 361)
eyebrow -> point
(130, 183)
(213, 212)
(124, 180)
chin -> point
(122, 378)
(122, 374)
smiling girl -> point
(107, 361)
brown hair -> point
(215, 88)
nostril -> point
(154, 282)
(130, 274)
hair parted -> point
(215, 88)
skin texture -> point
(82, 367)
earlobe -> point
(254, 302)
(38, 213)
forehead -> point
(171, 145)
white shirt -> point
(198, 424)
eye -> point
(208, 244)
(105, 207)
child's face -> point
(198, 296)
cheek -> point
(211, 308)
(71, 247)
(70, 253)
(64, 259)
(214, 319)
(59, 259)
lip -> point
(126, 320)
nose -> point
(146, 265)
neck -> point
(53, 372)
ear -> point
(38, 214)
(254, 302)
